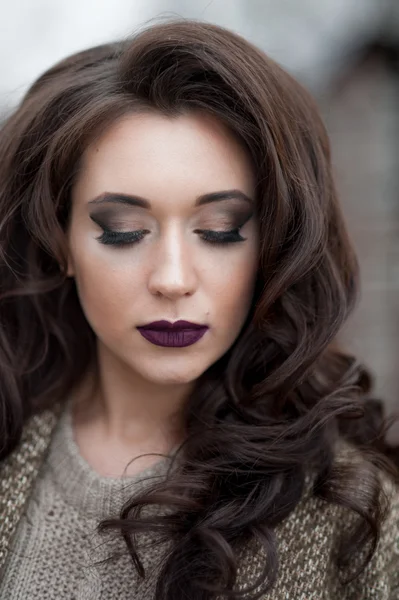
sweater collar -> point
(81, 486)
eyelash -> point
(221, 237)
(122, 238)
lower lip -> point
(173, 339)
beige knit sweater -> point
(51, 501)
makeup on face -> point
(173, 335)
(126, 219)
(164, 227)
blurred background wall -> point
(345, 51)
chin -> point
(173, 378)
(170, 375)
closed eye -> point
(112, 237)
(220, 237)
(121, 238)
(125, 238)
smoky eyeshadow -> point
(230, 219)
(109, 218)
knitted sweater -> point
(51, 501)
(56, 543)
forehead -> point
(152, 154)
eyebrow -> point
(117, 198)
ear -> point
(70, 268)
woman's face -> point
(163, 228)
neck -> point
(129, 408)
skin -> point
(172, 273)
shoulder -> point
(307, 541)
(380, 578)
(19, 470)
(35, 438)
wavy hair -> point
(280, 397)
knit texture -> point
(56, 544)
(51, 501)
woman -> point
(175, 269)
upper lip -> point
(168, 326)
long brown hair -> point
(276, 401)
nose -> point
(173, 275)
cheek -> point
(106, 291)
(233, 286)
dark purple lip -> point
(173, 335)
(168, 326)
